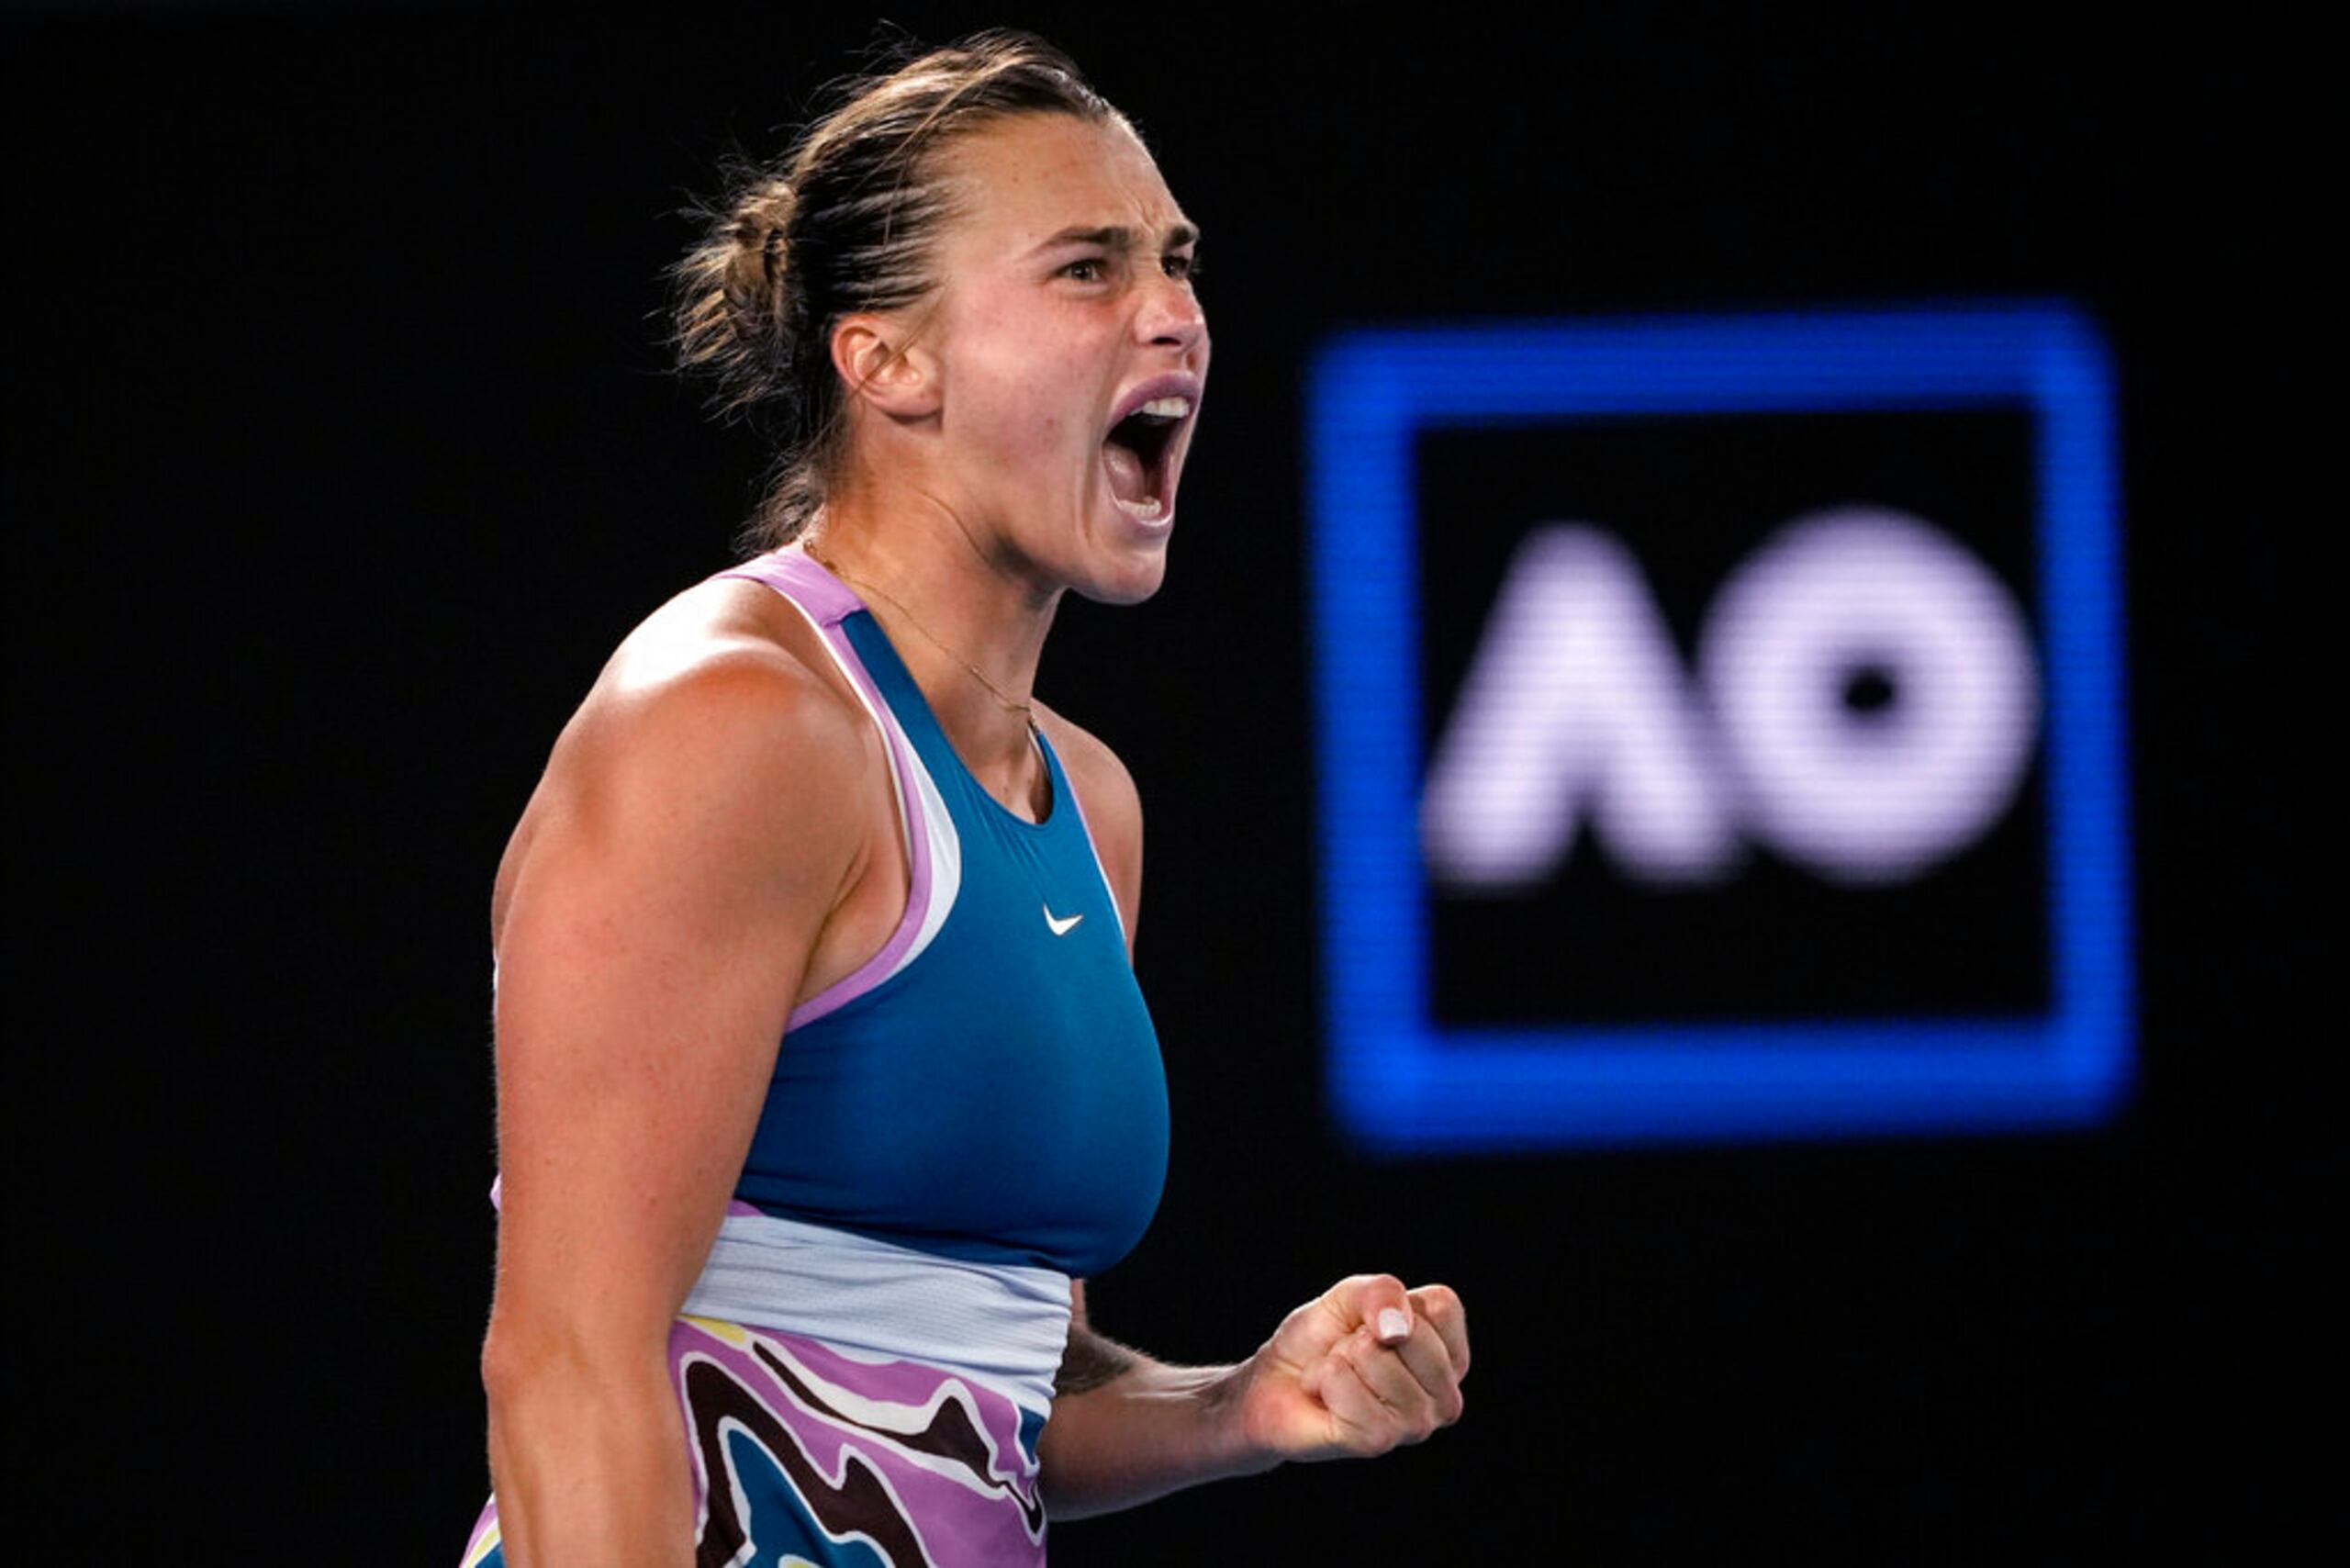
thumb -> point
(1378, 1300)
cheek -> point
(1030, 389)
(1024, 434)
(1038, 408)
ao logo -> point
(1862, 698)
(1864, 701)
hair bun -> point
(762, 221)
(735, 298)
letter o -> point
(1878, 796)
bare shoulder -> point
(718, 654)
(1112, 804)
(716, 726)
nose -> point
(1171, 315)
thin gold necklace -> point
(1010, 704)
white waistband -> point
(1003, 1326)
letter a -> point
(1576, 705)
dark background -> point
(339, 452)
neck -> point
(970, 631)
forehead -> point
(1020, 181)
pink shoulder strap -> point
(790, 571)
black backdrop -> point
(337, 452)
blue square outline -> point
(1400, 1083)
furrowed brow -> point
(1113, 238)
(1118, 237)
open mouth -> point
(1136, 456)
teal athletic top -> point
(988, 1086)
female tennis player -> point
(823, 1078)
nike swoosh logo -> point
(1060, 927)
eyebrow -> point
(1117, 237)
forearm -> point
(590, 1465)
(1127, 1428)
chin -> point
(1136, 582)
(1124, 559)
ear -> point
(878, 364)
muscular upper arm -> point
(1112, 810)
(694, 831)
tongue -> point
(1127, 481)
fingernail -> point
(1393, 1325)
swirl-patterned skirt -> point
(801, 1455)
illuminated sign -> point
(1721, 728)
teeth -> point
(1165, 408)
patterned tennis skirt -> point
(802, 1455)
(893, 1425)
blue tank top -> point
(988, 1086)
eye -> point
(1087, 269)
(1179, 265)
